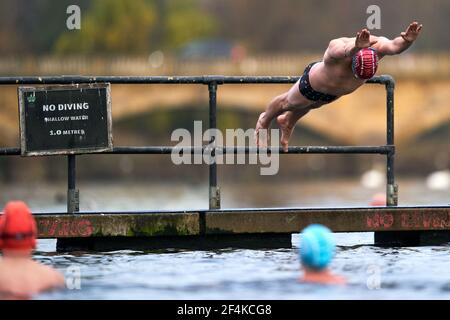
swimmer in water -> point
(317, 249)
(346, 65)
(20, 276)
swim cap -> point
(17, 227)
(317, 247)
(378, 200)
(365, 63)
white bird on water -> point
(439, 180)
(373, 178)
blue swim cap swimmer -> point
(317, 247)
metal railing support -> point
(391, 187)
(73, 195)
(214, 191)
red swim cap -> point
(378, 200)
(17, 227)
(365, 63)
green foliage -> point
(111, 27)
(186, 22)
(32, 27)
(136, 27)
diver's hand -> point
(363, 39)
(412, 32)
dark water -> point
(372, 272)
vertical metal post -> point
(73, 195)
(214, 191)
(391, 187)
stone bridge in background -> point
(422, 99)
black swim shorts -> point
(309, 93)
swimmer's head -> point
(365, 63)
(17, 227)
(378, 200)
(317, 247)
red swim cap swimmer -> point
(365, 63)
(17, 227)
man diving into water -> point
(346, 65)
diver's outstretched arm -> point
(339, 49)
(401, 43)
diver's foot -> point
(286, 128)
(261, 131)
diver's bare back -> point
(334, 74)
(335, 77)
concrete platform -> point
(239, 227)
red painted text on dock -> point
(65, 228)
(428, 220)
(380, 220)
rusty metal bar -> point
(73, 195)
(214, 191)
(253, 150)
(239, 150)
(383, 79)
(391, 187)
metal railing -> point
(213, 82)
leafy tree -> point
(33, 26)
(111, 27)
(137, 26)
(185, 22)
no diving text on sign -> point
(65, 119)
